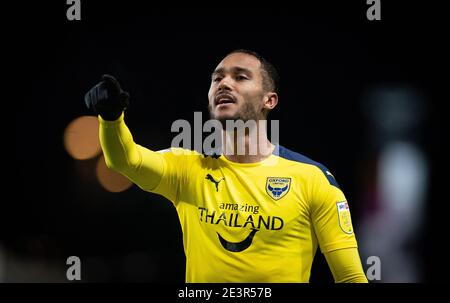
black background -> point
(327, 54)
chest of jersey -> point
(247, 206)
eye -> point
(241, 77)
(217, 79)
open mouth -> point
(222, 99)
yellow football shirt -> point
(253, 222)
(257, 222)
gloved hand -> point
(107, 98)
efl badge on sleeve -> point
(345, 220)
(277, 187)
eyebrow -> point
(235, 70)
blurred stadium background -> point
(355, 95)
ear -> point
(270, 101)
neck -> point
(247, 145)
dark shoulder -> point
(288, 154)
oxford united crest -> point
(277, 187)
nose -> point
(224, 85)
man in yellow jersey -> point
(246, 217)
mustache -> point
(224, 97)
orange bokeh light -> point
(109, 179)
(81, 138)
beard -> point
(247, 112)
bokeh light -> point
(109, 179)
(81, 138)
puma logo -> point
(238, 246)
(216, 183)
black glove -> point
(107, 99)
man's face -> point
(236, 90)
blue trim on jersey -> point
(288, 154)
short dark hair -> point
(269, 73)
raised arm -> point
(142, 166)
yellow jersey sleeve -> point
(330, 213)
(345, 265)
(141, 165)
(162, 172)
